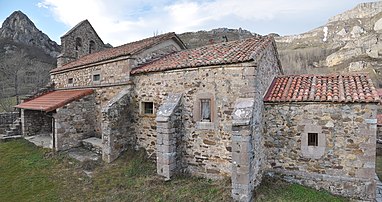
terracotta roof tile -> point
(53, 100)
(320, 88)
(215, 54)
(115, 52)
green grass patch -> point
(378, 166)
(25, 173)
(28, 173)
(276, 190)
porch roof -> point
(53, 100)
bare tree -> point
(11, 67)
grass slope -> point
(28, 173)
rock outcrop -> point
(26, 57)
(351, 41)
(19, 28)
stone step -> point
(93, 144)
(11, 133)
(5, 138)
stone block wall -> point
(35, 122)
(242, 150)
(116, 123)
(343, 162)
(208, 149)
(7, 118)
(85, 32)
(75, 122)
(111, 72)
(170, 132)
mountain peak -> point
(19, 28)
(17, 20)
(362, 10)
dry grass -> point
(28, 173)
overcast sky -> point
(121, 21)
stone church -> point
(221, 110)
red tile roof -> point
(111, 53)
(319, 88)
(53, 100)
(215, 54)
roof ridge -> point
(118, 51)
(211, 54)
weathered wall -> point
(344, 160)
(208, 151)
(75, 122)
(86, 33)
(7, 118)
(114, 72)
(208, 146)
(35, 122)
(268, 67)
(170, 132)
(116, 119)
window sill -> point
(147, 115)
(205, 125)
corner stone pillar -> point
(242, 150)
(167, 128)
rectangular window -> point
(70, 80)
(148, 107)
(312, 139)
(96, 77)
(205, 110)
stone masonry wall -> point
(75, 122)
(208, 146)
(242, 150)
(116, 123)
(268, 67)
(86, 33)
(344, 160)
(111, 73)
(7, 118)
(208, 151)
(35, 122)
(170, 132)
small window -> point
(91, 46)
(70, 80)
(312, 139)
(96, 77)
(78, 43)
(148, 107)
(205, 110)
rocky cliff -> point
(349, 42)
(20, 29)
(26, 56)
